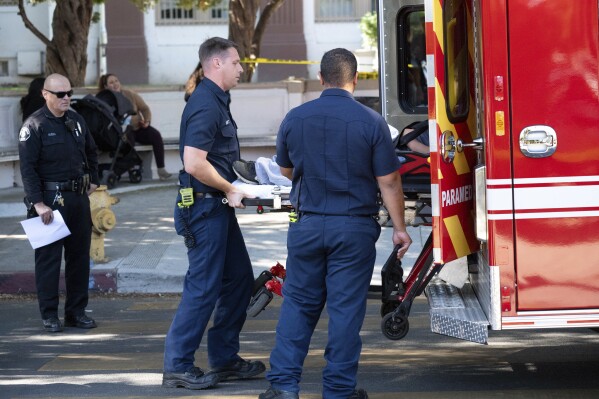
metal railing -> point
(341, 10)
(169, 13)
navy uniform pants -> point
(219, 279)
(330, 260)
(77, 216)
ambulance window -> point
(455, 29)
(413, 93)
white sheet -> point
(262, 190)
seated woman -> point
(140, 122)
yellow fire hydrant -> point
(103, 220)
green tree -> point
(369, 28)
(66, 52)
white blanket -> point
(262, 190)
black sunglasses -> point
(61, 94)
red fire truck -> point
(510, 89)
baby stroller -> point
(104, 115)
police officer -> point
(335, 150)
(220, 276)
(59, 168)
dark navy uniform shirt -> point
(48, 151)
(207, 124)
(337, 147)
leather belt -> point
(215, 194)
(69, 185)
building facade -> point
(159, 46)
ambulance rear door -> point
(452, 116)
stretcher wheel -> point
(261, 280)
(259, 302)
(395, 327)
(388, 307)
(135, 176)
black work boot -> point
(194, 378)
(358, 394)
(81, 321)
(52, 324)
(240, 370)
(272, 393)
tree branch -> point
(32, 27)
(267, 12)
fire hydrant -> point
(103, 220)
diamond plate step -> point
(456, 312)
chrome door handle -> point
(449, 145)
(477, 144)
(538, 141)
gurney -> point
(270, 281)
(271, 196)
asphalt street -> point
(122, 358)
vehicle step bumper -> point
(456, 312)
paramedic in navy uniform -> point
(59, 166)
(334, 150)
(220, 276)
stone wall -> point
(258, 109)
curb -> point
(24, 282)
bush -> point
(369, 28)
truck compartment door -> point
(553, 51)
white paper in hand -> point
(40, 234)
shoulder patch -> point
(24, 134)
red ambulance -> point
(511, 92)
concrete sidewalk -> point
(144, 254)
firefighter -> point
(220, 278)
(59, 166)
(335, 150)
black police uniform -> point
(55, 153)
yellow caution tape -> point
(270, 61)
(361, 75)
(368, 75)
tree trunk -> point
(66, 53)
(70, 27)
(244, 30)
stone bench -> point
(9, 154)
(10, 174)
(252, 147)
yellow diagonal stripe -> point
(460, 163)
(438, 23)
(457, 236)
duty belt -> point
(215, 194)
(69, 185)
